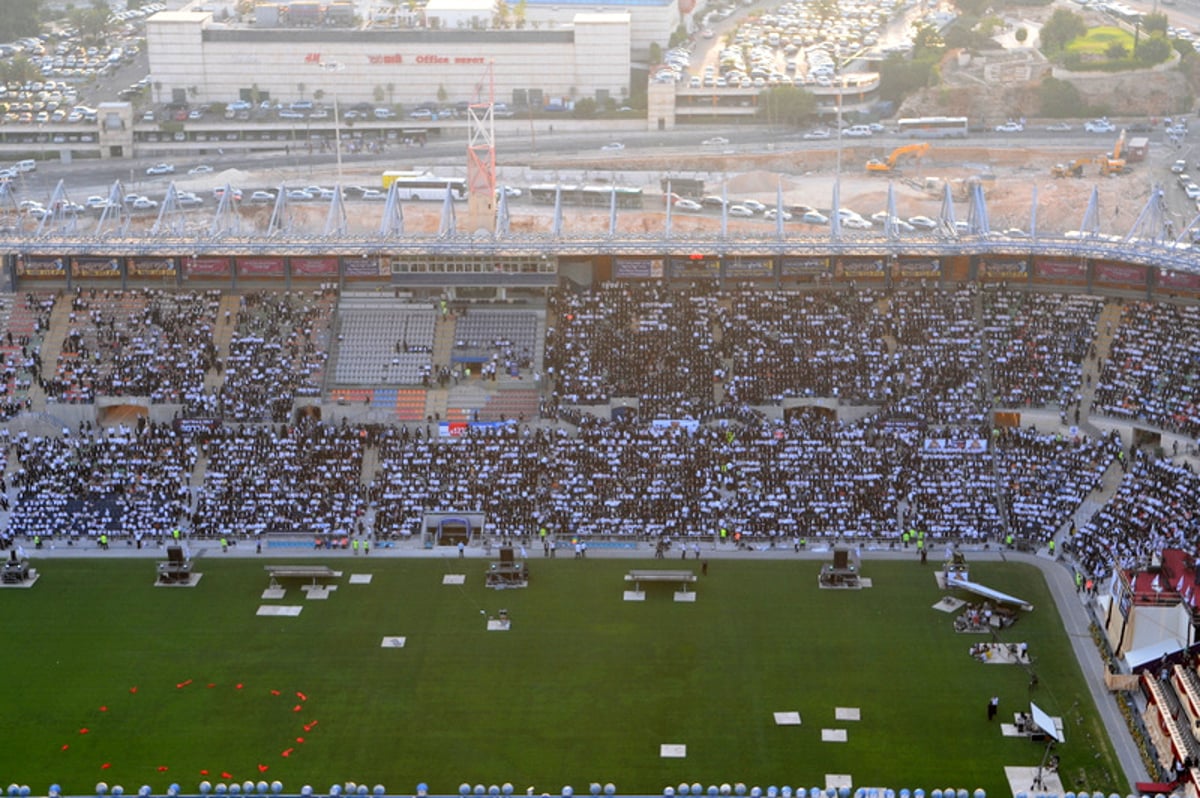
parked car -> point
(922, 222)
(772, 213)
(816, 135)
(715, 141)
(1101, 125)
(613, 145)
(262, 196)
(687, 205)
(1010, 127)
(814, 217)
(161, 169)
(143, 204)
(200, 169)
(740, 210)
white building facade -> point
(196, 59)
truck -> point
(877, 166)
(1073, 169)
(1113, 163)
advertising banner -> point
(954, 446)
(804, 267)
(917, 268)
(1060, 270)
(151, 267)
(314, 267)
(96, 267)
(366, 267)
(705, 266)
(997, 269)
(751, 268)
(861, 268)
(259, 267)
(208, 267)
(1181, 281)
(637, 268)
(41, 266)
(1126, 275)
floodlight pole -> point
(1039, 782)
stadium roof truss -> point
(1152, 240)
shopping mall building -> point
(564, 51)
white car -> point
(373, 195)
(201, 169)
(97, 203)
(1179, 167)
(1192, 190)
(772, 213)
(1010, 127)
(300, 195)
(1099, 126)
(754, 205)
(613, 146)
(161, 169)
(143, 204)
(715, 141)
(922, 222)
(262, 196)
(687, 205)
(856, 223)
(509, 191)
(740, 210)
(814, 217)
(857, 132)
(816, 135)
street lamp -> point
(335, 66)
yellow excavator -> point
(884, 166)
(1113, 163)
(1073, 169)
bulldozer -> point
(1073, 169)
(1113, 163)
(887, 165)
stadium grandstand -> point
(1036, 395)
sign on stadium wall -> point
(208, 267)
(1124, 275)
(151, 267)
(996, 269)
(707, 266)
(1060, 270)
(916, 268)
(259, 267)
(637, 268)
(41, 266)
(749, 268)
(1181, 281)
(314, 267)
(810, 268)
(357, 268)
(96, 267)
(954, 445)
(861, 268)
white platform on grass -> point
(361, 579)
(273, 593)
(949, 604)
(1020, 779)
(686, 596)
(286, 610)
(193, 580)
(495, 625)
(833, 735)
(835, 781)
(634, 595)
(454, 579)
(787, 718)
(318, 592)
(393, 642)
(672, 751)
(847, 713)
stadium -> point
(354, 439)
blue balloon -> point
(101, 788)
(697, 789)
(610, 788)
(683, 788)
(480, 789)
(785, 791)
(55, 790)
(144, 790)
(981, 793)
(378, 789)
(464, 789)
(713, 791)
(118, 790)
(772, 791)
(276, 787)
(905, 793)
(221, 788)
(335, 789)
(306, 790)
(669, 792)
(843, 792)
(594, 788)
(756, 792)
(739, 789)
(360, 789)
(24, 790)
(567, 791)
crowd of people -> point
(926, 365)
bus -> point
(424, 186)
(933, 127)
(596, 196)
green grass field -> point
(584, 687)
(1097, 40)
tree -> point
(20, 18)
(585, 107)
(378, 93)
(519, 12)
(900, 76)
(500, 17)
(926, 38)
(1155, 23)
(656, 53)
(1021, 35)
(442, 95)
(1153, 50)
(787, 105)
(1060, 98)
(1063, 27)
(158, 86)
(1115, 51)
(300, 89)
(391, 90)
(319, 94)
(20, 70)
